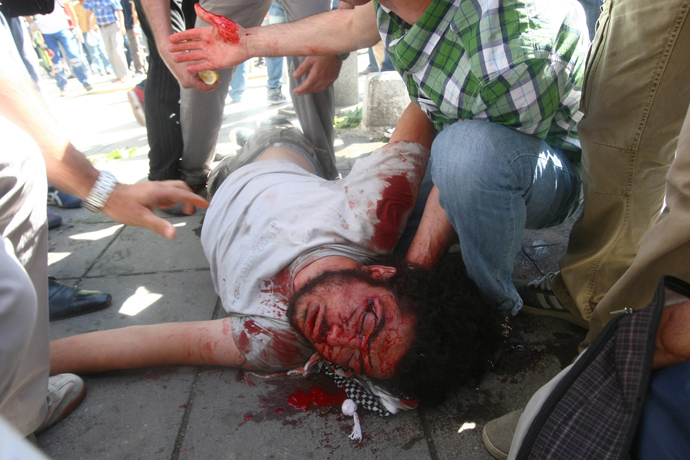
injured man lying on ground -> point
(302, 264)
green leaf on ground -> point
(114, 155)
(117, 154)
(351, 119)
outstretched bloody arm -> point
(168, 344)
(434, 235)
(226, 44)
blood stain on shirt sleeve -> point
(396, 201)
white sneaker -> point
(65, 392)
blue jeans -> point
(96, 51)
(592, 9)
(26, 51)
(493, 182)
(238, 85)
(664, 428)
(70, 44)
(274, 65)
(373, 65)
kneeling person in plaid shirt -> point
(499, 79)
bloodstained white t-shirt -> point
(270, 219)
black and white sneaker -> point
(275, 96)
(539, 299)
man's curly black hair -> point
(456, 335)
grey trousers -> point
(290, 137)
(137, 50)
(24, 327)
(202, 113)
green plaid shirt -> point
(518, 63)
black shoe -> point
(66, 301)
(539, 299)
(239, 136)
(367, 71)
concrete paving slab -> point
(76, 244)
(139, 250)
(559, 338)
(231, 419)
(525, 269)
(527, 363)
(125, 415)
(78, 216)
(545, 257)
(558, 234)
(144, 299)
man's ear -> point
(382, 272)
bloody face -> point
(353, 323)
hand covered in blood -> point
(209, 48)
(186, 79)
(321, 72)
(134, 204)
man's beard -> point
(334, 278)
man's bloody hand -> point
(215, 47)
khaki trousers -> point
(665, 249)
(115, 47)
(635, 97)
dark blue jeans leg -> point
(664, 428)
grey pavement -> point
(211, 412)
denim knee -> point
(467, 159)
(75, 62)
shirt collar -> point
(411, 42)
